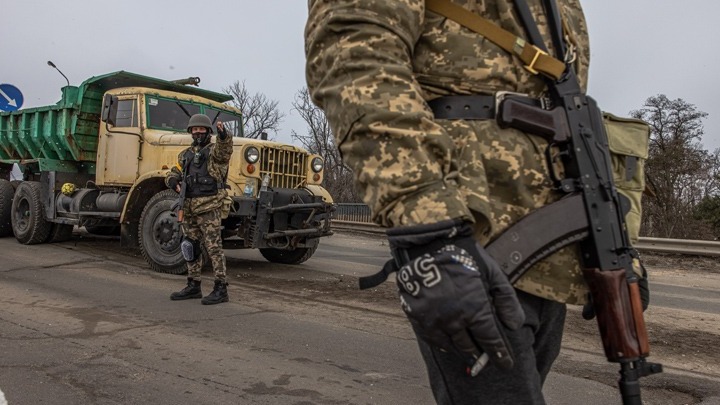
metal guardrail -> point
(680, 246)
(645, 244)
(353, 212)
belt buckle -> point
(500, 97)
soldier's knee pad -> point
(190, 249)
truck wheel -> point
(6, 198)
(296, 256)
(160, 235)
(28, 216)
(60, 233)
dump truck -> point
(98, 159)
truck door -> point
(121, 144)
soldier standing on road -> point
(386, 73)
(205, 166)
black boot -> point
(219, 294)
(192, 290)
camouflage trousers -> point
(205, 228)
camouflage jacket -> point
(372, 65)
(220, 153)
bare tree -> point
(338, 177)
(680, 172)
(259, 113)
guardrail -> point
(359, 213)
(645, 244)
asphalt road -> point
(85, 322)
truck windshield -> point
(173, 115)
(170, 115)
(232, 122)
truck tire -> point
(160, 235)
(295, 256)
(60, 233)
(6, 198)
(28, 217)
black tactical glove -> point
(454, 294)
(221, 132)
(173, 182)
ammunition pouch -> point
(202, 186)
(227, 203)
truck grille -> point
(286, 168)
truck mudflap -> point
(281, 219)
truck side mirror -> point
(109, 110)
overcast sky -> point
(640, 48)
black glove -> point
(454, 294)
(173, 183)
(222, 132)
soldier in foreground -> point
(200, 177)
(387, 75)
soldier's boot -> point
(191, 290)
(219, 294)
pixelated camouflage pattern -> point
(371, 66)
(205, 228)
(220, 154)
(202, 220)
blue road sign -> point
(11, 98)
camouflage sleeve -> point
(223, 150)
(359, 71)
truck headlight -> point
(252, 154)
(316, 165)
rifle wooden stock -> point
(619, 314)
(181, 215)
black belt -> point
(477, 107)
(474, 107)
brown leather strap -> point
(536, 60)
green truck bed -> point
(68, 130)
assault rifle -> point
(593, 214)
(575, 127)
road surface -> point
(87, 322)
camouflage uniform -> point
(202, 220)
(372, 66)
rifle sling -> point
(536, 60)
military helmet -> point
(200, 120)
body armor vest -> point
(199, 181)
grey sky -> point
(640, 48)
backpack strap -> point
(536, 60)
